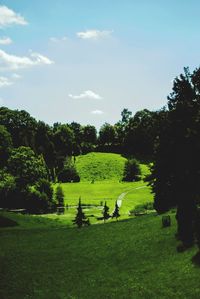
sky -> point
(86, 60)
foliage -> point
(5, 145)
(68, 173)
(7, 189)
(105, 212)
(20, 125)
(37, 202)
(43, 185)
(116, 211)
(80, 218)
(176, 176)
(132, 171)
(26, 166)
(59, 196)
(107, 135)
(142, 208)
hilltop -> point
(100, 166)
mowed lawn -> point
(96, 194)
(135, 259)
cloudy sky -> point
(86, 60)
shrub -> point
(68, 173)
(37, 202)
(132, 171)
(142, 208)
(59, 196)
(44, 186)
(7, 190)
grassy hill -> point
(100, 166)
(41, 259)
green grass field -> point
(100, 166)
(46, 257)
(108, 169)
(136, 258)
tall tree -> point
(26, 166)
(5, 145)
(176, 171)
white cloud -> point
(94, 34)
(5, 41)
(88, 94)
(9, 17)
(5, 82)
(57, 39)
(13, 62)
(97, 112)
(16, 76)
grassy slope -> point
(108, 171)
(129, 259)
(100, 166)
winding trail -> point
(122, 195)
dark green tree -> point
(132, 171)
(5, 145)
(80, 218)
(20, 125)
(176, 171)
(26, 166)
(63, 142)
(69, 172)
(105, 212)
(44, 186)
(59, 196)
(7, 190)
(116, 211)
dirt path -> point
(122, 195)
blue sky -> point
(84, 61)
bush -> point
(132, 171)
(142, 208)
(68, 174)
(37, 202)
(7, 190)
(59, 196)
(44, 186)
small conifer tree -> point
(59, 196)
(80, 218)
(105, 212)
(116, 211)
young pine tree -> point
(105, 212)
(80, 218)
(59, 196)
(116, 211)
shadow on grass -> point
(196, 259)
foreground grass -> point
(128, 259)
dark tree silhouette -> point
(132, 170)
(59, 195)
(80, 218)
(116, 211)
(105, 212)
(176, 175)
